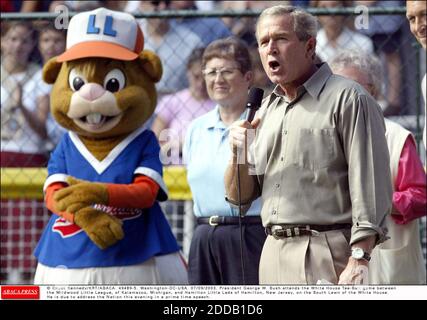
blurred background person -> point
(24, 110)
(24, 102)
(173, 44)
(214, 257)
(176, 111)
(244, 27)
(387, 35)
(398, 260)
(51, 43)
(335, 35)
(208, 29)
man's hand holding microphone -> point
(240, 186)
(239, 130)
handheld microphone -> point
(254, 102)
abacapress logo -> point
(20, 292)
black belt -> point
(221, 220)
(279, 231)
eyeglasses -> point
(226, 73)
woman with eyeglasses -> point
(217, 254)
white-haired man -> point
(400, 259)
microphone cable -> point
(239, 199)
(254, 102)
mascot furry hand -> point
(105, 175)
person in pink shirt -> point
(175, 111)
(398, 260)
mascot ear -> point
(51, 70)
(151, 64)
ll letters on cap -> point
(103, 33)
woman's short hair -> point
(230, 48)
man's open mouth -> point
(274, 65)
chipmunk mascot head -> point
(105, 176)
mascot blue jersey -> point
(147, 232)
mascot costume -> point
(105, 176)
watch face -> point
(357, 253)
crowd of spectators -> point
(29, 133)
(174, 40)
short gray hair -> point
(369, 64)
(305, 24)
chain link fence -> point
(29, 133)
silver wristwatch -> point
(359, 254)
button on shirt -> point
(323, 158)
(207, 154)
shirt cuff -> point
(57, 177)
(154, 175)
(365, 229)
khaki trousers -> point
(305, 259)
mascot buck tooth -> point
(105, 176)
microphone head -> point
(255, 98)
